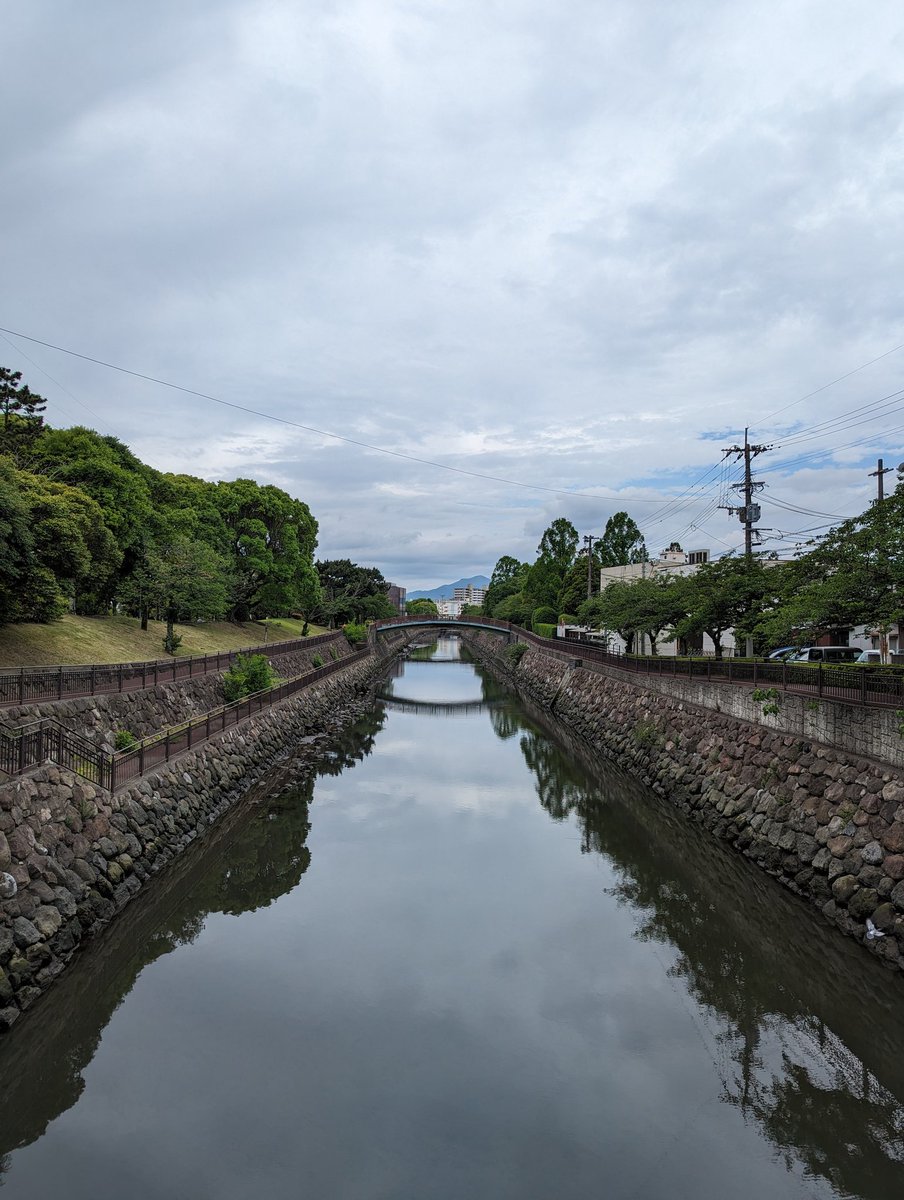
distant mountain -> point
(445, 590)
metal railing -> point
(27, 685)
(27, 746)
(879, 687)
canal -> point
(461, 960)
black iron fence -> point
(28, 746)
(26, 685)
(866, 684)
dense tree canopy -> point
(85, 524)
(349, 592)
(621, 543)
(422, 607)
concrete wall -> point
(817, 814)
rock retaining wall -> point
(827, 823)
(77, 855)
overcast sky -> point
(575, 246)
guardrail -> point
(865, 685)
(26, 685)
(29, 745)
(872, 686)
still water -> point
(463, 961)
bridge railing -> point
(872, 686)
(27, 746)
(27, 685)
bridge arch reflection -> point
(437, 708)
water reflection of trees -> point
(256, 855)
(420, 652)
(806, 1034)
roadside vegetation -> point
(852, 576)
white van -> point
(826, 654)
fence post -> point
(144, 674)
(93, 679)
(207, 727)
(155, 672)
(21, 753)
(60, 684)
(863, 684)
(819, 684)
(166, 746)
(120, 678)
(189, 735)
(21, 684)
(141, 757)
(754, 672)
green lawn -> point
(74, 640)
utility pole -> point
(589, 539)
(879, 474)
(748, 513)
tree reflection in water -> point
(808, 1034)
(257, 854)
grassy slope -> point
(75, 640)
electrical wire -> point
(56, 382)
(825, 386)
(426, 462)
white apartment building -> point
(469, 595)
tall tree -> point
(21, 421)
(558, 545)
(350, 592)
(272, 539)
(507, 578)
(726, 594)
(621, 543)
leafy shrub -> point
(317, 660)
(646, 734)
(172, 642)
(516, 652)
(544, 630)
(249, 673)
(124, 740)
(545, 614)
(355, 633)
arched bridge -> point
(489, 623)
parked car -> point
(782, 653)
(826, 654)
(869, 656)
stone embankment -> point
(826, 822)
(142, 713)
(77, 854)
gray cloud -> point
(555, 251)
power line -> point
(825, 386)
(56, 382)
(799, 460)
(807, 512)
(425, 462)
